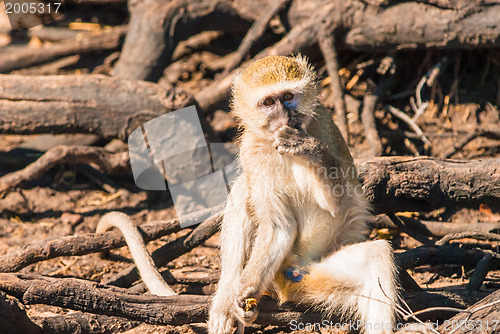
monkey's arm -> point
(274, 238)
(235, 241)
(135, 243)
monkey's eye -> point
(268, 102)
(287, 96)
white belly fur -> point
(314, 212)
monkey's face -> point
(274, 92)
(280, 110)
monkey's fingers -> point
(250, 303)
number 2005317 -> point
(469, 325)
(32, 8)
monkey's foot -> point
(247, 310)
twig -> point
(409, 230)
(480, 272)
(255, 32)
(368, 120)
(327, 46)
(476, 235)
(407, 119)
(429, 78)
(479, 131)
(432, 309)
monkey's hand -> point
(246, 308)
(297, 142)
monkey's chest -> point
(314, 211)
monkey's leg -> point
(359, 277)
(274, 238)
(235, 243)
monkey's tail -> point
(147, 269)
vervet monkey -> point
(295, 218)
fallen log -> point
(424, 184)
(110, 107)
(20, 58)
(92, 297)
(87, 296)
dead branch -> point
(79, 245)
(368, 118)
(480, 131)
(442, 255)
(439, 229)
(255, 32)
(87, 296)
(370, 102)
(155, 30)
(470, 234)
(91, 297)
(408, 120)
(108, 162)
(409, 229)
(110, 107)
(327, 46)
(157, 27)
(480, 271)
(482, 316)
(108, 39)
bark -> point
(87, 296)
(13, 319)
(110, 107)
(80, 322)
(424, 184)
(482, 317)
(156, 28)
(105, 40)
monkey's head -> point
(275, 91)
